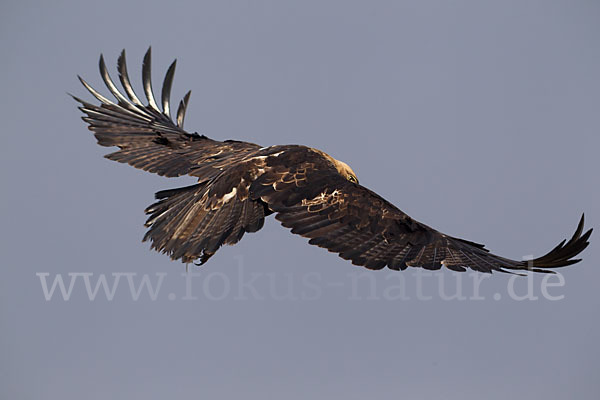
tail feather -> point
(184, 227)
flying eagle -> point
(240, 183)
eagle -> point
(241, 183)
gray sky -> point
(477, 118)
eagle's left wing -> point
(361, 226)
(147, 137)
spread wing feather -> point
(147, 136)
(360, 226)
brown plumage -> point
(240, 183)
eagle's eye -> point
(352, 179)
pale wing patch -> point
(215, 204)
(324, 200)
(229, 195)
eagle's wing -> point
(361, 226)
(147, 137)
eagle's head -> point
(342, 168)
(345, 170)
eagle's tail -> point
(185, 227)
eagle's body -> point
(227, 201)
(240, 183)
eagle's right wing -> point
(349, 219)
(147, 137)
